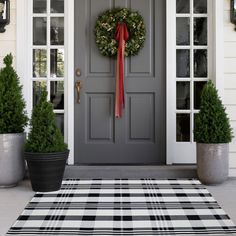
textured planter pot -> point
(46, 170)
(12, 163)
(212, 163)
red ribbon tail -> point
(117, 105)
(121, 35)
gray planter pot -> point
(12, 164)
(212, 163)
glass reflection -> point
(198, 87)
(200, 6)
(39, 30)
(38, 86)
(200, 31)
(200, 63)
(57, 94)
(57, 6)
(182, 6)
(57, 31)
(57, 63)
(183, 128)
(183, 95)
(39, 63)
(183, 31)
(39, 6)
(60, 122)
(183, 63)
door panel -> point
(141, 126)
(139, 136)
(137, 67)
(100, 107)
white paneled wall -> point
(8, 39)
(230, 79)
(8, 44)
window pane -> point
(40, 31)
(37, 90)
(183, 128)
(57, 31)
(57, 63)
(200, 6)
(40, 6)
(57, 94)
(182, 6)
(183, 63)
(57, 6)
(182, 31)
(39, 63)
(200, 31)
(200, 63)
(183, 95)
(198, 86)
(60, 122)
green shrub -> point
(44, 136)
(13, 117)
(212, 123)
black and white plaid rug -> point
(124, 207)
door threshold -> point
(131, 171)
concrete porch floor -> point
(13, 200)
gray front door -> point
(139, 136)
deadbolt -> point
(78, 72)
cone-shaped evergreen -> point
(212, 123)
(13, 117)
(44, 136)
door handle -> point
(78, 87)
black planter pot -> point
(46, 170)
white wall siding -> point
(8, 39)
(230, 79)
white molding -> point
(22, 42)
(170, 74)
(69, 81)
(218, 48)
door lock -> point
(78, 72)
(78, 87)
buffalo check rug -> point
(124, 207)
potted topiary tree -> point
(13, 119)
(213, 135)
(45, 150)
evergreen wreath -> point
(105, 29)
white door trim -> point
(69, 85)
(24, 31)
(218, 48)
(22, 51)
(170, 75)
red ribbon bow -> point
(121, 36)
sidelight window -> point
(48, 54)
(192, 63)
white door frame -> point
(23, 63)
(178, 153)
(24, 32)
(69, 86)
